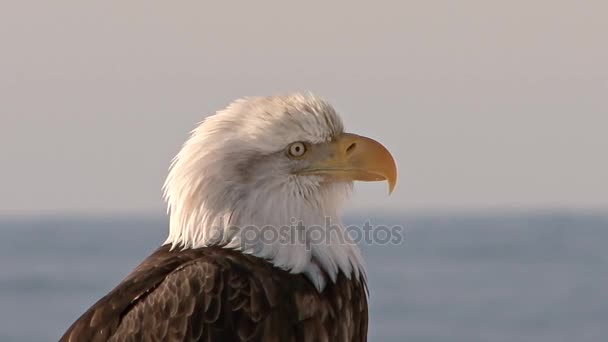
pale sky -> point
(484, 104)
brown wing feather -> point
(215, 294)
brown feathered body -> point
(219, 294)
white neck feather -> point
(275, 213)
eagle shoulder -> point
(216, 294)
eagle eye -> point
(296, 150)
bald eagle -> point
(231, 269)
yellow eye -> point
(297, 149)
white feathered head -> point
(271, 162)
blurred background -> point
(497, 114)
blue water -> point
(512, 277)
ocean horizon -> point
(518, 276)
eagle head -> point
(265, 169)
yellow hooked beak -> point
(353, 157)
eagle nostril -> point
(351, 147)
